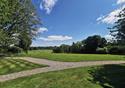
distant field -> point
(47, 54)
(108, 76)
(15, 65)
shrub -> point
(117, 50)
(14, 50)
(101, 51)
(62, 49)
(57, 50)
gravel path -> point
(53, 66)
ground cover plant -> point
(48, 54)
(15, 65)
(107, 76)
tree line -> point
(41, 48)
(92, 45)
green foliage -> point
(117, 50)
(93, 42)
(57, 50)
(25, 42)
(76, 47)
(5, 40)
(18, 23)
(62, 49)
(15, 50)
(42, 48)
(101, 51)
(88, 45)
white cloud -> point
(112, 17)
(110, 38)
(120, 1)
(100, 18)
(40, 30)
(56, 38)
(48, 5)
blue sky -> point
(67, 21)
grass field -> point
(108, 76)
(15, 65)
(47, 54)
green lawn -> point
(108, 76)
(15, 65)
(47, 54)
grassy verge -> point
(15, 65)
(108, 76)
(47, 54)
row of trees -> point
(92, 45)
(41, 48)
(89, 45)
(18, 24)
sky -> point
(67, 21)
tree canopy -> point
(18, 22)
(93, 42)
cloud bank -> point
(42, 30)
(51, 37)
(56, 38)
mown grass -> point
(15, 65)
(108, 76)
(47, 54)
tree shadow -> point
(109, 76)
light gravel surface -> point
(53, 66)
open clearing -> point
(106, 76)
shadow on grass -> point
(109, 76)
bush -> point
(117, 50)
(101, 51)
(14, 50)
(57, 50)
(62, 49)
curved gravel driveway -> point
(53, 66)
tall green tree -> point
(93, 42)
(18, 18)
